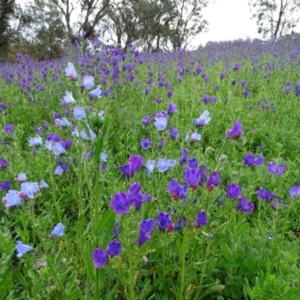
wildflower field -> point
(152, 175)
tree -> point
(275, 18)
(6, 12)
(188, 22)
(91, 13)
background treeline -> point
(44, 28)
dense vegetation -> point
(151, 176)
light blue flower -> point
(58, 170)
(58, 230)
(29, 189)
(35, 141)
(203, 119)
(103, 156)
(150, 165)
(171, 162)
(88, 82)
(70, 71)
(96, 93)
(195, 137)
(68, 98)
(79, 112)
(49, 145)
(21, 177)
(12, 199)
(62, 123)
(58, 149)
(162, 165)
(43, 184)
(84, 135)
(22, 248)
(161, 123)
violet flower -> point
(277, 170)
(233, 190)
(236, 131)
(245, 205)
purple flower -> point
(120, 203)
(174, 188)
(146, 120)
(88, 82)
(147, 226)
(244, 83)
(116, 229)
(193, 163)
(192, 177)
(12, 199)
(134, 195)
(222, 76)
(134, 163)
(146, 144)
(213, 180)
(161, 143)
(143, 237)
(164, 220)
(265, 195)
(184, 156)
(233, 82)
(58, 230)
(233, 190)
(246, 93)
(201, 219)
(114, 248)
(3, 163)
(4, 186)
(22, 248)
(245, 205)
(169, 94)
(8, 128)
(287, 90)
(38, 128)
(236, 67)
(173, 133)
(250, 160)
(276, 169)
(293, 191)
(236, 131)
(172, 108)
(100, 258)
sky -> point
(228, 20)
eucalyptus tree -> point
(275, 18)
(87, 13)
